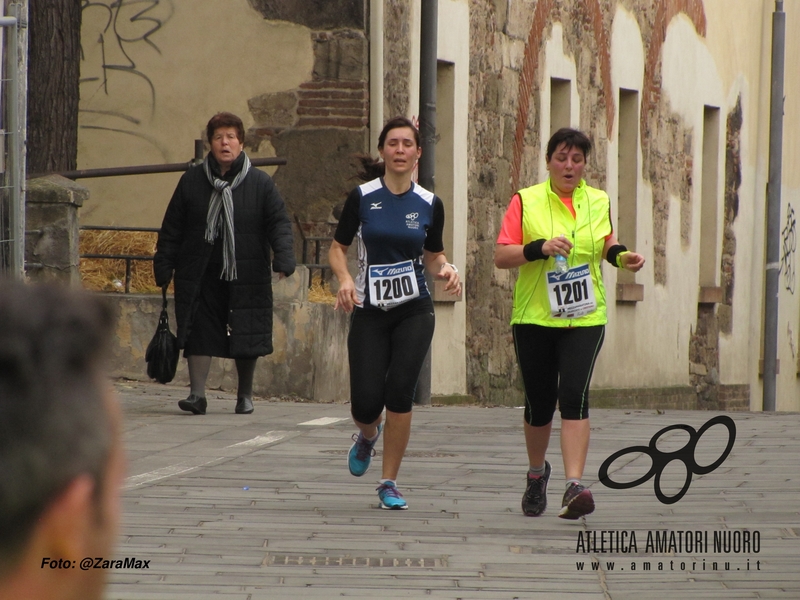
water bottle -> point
(561, 262)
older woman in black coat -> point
(220, 226)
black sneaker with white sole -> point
(534, 500)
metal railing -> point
(128, 258)
(199, 150)
(12, 213)
(317, 242)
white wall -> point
(448, 354)
(134, 107)
(647, 344)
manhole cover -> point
(407, 454)
(296, 560)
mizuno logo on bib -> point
(571, 293)
(390, 285)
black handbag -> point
(162, 351)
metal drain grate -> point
(300, 560)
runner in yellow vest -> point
(559, 318)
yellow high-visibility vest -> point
(545, 216)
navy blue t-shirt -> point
(392, 231)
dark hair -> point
(372, 168)
(54, 422)
(396, 123)
(225, 119)
(572, 138)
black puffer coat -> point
(260, 224)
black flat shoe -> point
(244, 406)
(193, 404)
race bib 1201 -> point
(571, 293)
(390, 285)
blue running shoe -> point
(361, 452)
(390, 497)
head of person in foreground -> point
(61, 458)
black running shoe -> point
(534, 500)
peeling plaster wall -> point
(146, 101)
(679, 55)
(296, 73)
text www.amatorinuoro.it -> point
(671, 565)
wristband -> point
(533, 250)
(451, 265)
(613, 254)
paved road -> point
(261, 506)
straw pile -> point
(108, 275)
(320, 291)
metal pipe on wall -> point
(429, 24)
(15, 178)
(774, 209)
(375, 72)
(151, 169)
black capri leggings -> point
(556, 365)
(387, 349)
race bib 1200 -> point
(390, 285)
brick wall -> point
(333, 103)
(322, 124)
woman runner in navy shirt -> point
(398, 229)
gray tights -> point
(199, 367)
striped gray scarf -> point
(220, 216)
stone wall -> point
(396, 58)
(310, 345)
(713, 319)
(729, 397)
(323, 123)
(315, 14)
(309, 339)
(733, 181)
(51, 229)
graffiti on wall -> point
(117, 94)
(788, 248)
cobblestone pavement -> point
(261, 506)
